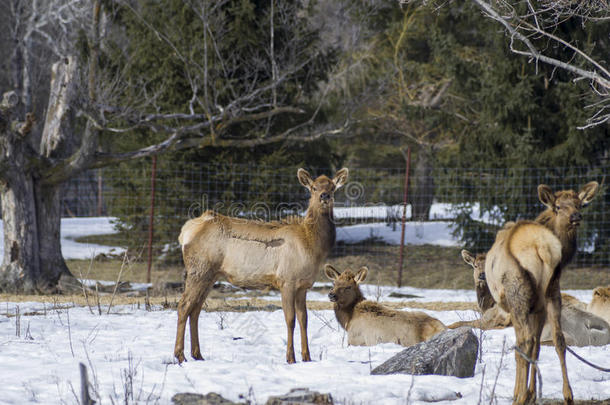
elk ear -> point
(588, 192)
(546, 196)
(361, 274)
(304, 178)
(331, 272)
(468, 257)
(340, 177)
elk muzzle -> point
(325, 197)
(575, 219)
(332, 297)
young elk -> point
(368, 323)
(255, 254)
(522, 270)
(580, 327)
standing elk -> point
(368, 323)
(522, 269)
(256, 254)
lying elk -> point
(580, 326)
(522, 270)
(255, 254)
(600, 303)
(368, 323)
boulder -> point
(301, 396)
(452, 352)
(198, 399)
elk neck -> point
(564, 232)
(345, 314)
(320, 228)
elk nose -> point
(332, 297)
(482, 276)
(325, 196)
(576, 217)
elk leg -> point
(522, 366)
(203, 287)
(189, 306)
(536, 323)
(288, 303)
(554, 315)
(301, 307)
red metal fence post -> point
(152, 215)
(404, 216)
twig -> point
(69, 331)
(493, 389)
(116, 286)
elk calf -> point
(368, 323)
(255, 254)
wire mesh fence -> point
(451, 209)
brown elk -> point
(368, 323)
(492, 316)
(600, 303)
(580, 326)
(522, 270)
(256, 254)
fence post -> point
(152, 215)
(404, 216)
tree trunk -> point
(31, 204)
(422, 195)
(20, 269)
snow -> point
(416, 233)
(72, 228)
(245, 354)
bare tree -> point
(533, 30)
(87, 105)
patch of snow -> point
(72, 228)
(130, 352)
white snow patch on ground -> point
(416, 233)
(72, 228)
(245, 355)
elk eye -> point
(313, 188)
(557, 207)
(348, 288)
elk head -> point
(322, 189)
(566, 205)
(345, 292)
(477, 262)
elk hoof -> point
(180, 358)
(197, 356)
(306, 357)
(290, 360)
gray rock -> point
(197, 399)
(452, 352)
(301, 396)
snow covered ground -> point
(72, 228)
(130, 351)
